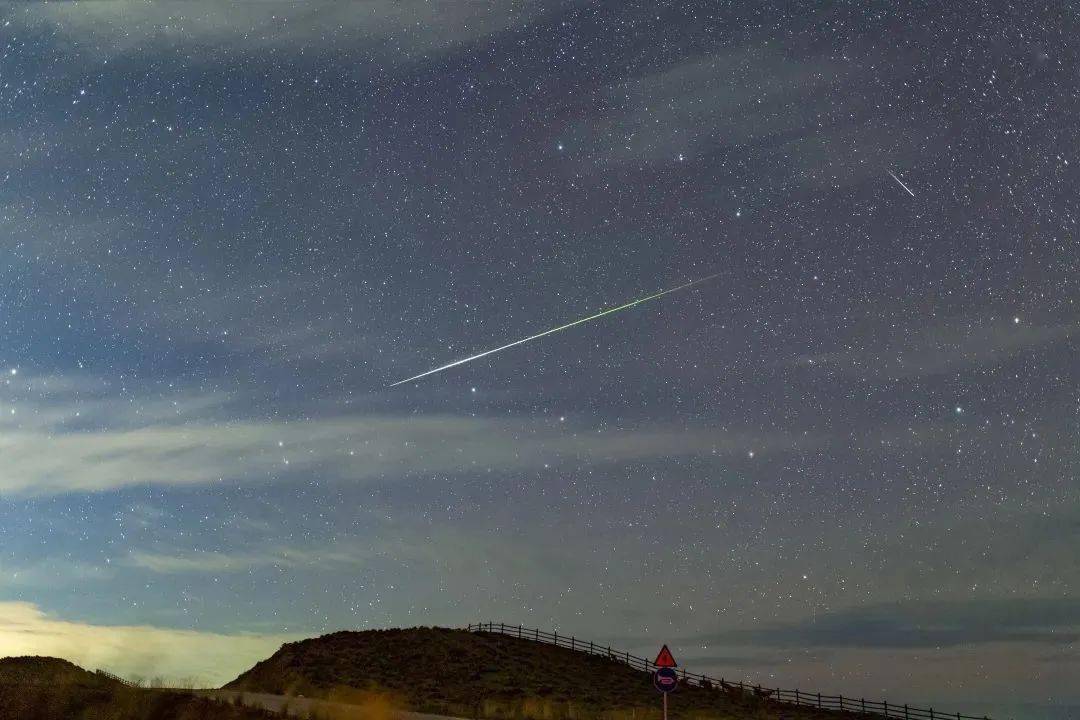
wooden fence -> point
(880, 708)
(117, 678)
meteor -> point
(554, 330)
(901, 182)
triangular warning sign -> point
(664, 659)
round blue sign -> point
(665, 679)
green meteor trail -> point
(567, 326)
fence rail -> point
(880, 708)
(117, 678)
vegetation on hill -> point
(42, 688)
(486, 675)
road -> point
(302, 707)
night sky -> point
(848, 463)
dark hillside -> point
(36, 669)
(42, 688)
(456, 672)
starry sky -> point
(848, 463)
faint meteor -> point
(567, 326)
(901, 182)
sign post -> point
(665, 679)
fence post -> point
(906, 716)
(537, 634)
(841, 702)
(796, 696)
(885, 704)
(556, 638)
(864, 705)
(519, 631)
(819, 699)
(931, 713)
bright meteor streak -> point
(901, 182)
(567, 326)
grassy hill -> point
(43, 688)
(487, 675)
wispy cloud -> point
(130, 650)
(737, 97)
(940, 348)
(55, 446)
(915, 624)
(407, 26)
(217, 562)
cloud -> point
(130, 650)
(925, 624)
(224, 562)
(738, 97)
(53, 573)
(771, 104)
(91, 444)
(940, 348)
(111, 27)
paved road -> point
(309, 707)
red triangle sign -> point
(664, 659)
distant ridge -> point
(38, 670)
(47, 688)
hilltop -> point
(35, 669)
(487, 675)
(45, 688)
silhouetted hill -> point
(456, 672)
(44, 688)
(36, 669)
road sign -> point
(665, 679)
(665, 659)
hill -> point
(488, 675)
(31, 670)
(44, 688)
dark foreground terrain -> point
(39, 688)
(485, 675)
